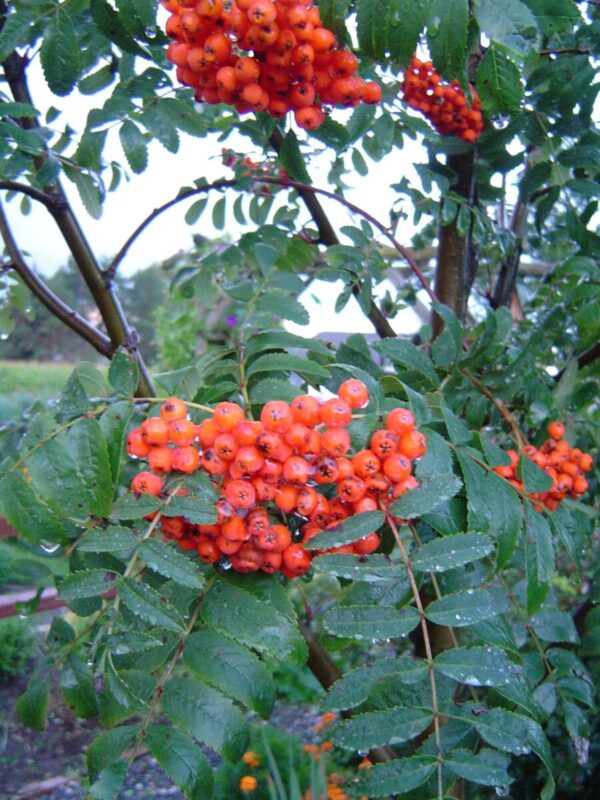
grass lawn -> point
(24, 382)
(41, 378)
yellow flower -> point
(248, 783)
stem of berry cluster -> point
(428, 651)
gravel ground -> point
(27, 757)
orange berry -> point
(186, 459)
(160, 459)
(147, 483)
(155, 431)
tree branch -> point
(46, 296)
(117, 327)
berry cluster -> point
(563, 463)
(443, 103)
(295, 460)
(264, 55)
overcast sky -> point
(140, 194)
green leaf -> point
(27, 513)
(291, 158)
(348, 531)
(284, 340)
(134, 146)
(107, 540)
(433, 491)
(76, 682)
(114, 423)
(182, 760)
(450, 552)
(487, 767)
(218, 214)
(447, 36)
(131, 506)
(372, 35)
(371, 623)
(507, 515)
(60, 53)
(402, 352)
(282, 306)
(334, 14)
(108, 748)
(145, 603)
(475, 666)
(32, 705)
(498, 83)
(534, 478)
(88, 190)
(373, 568)
(447, 346)
(354, 688)
(555, 16)
(464, 608)
(205, 714)
(109, 785)
(199, 510)
(85, 583)
(239, 614)
(276, 362)
(511, 24)
(123, 373)
(272, 389)
(384, 780)
(539, 558)
(234, 669)
(478, 492)
(172, 563)
(110, 24)
(87, 447)
(405, 20)
(555, 626)
(375, 728)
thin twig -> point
(98, 340)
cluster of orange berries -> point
(443, 103)
(267, 469)
(564, 464)
(264, 55)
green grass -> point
(43, 379)
(25, 382)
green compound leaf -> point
(447, 36)
(250, 621)
(27, 513)
(354, 688)
(108, 540)
(373, 568)
(539, 558)
(205, 714)
(498, 83)
(433, 491)
(371, 623)
(374, 728)
(147, 604)
(487, 767)
(348, 531)
(60, 53)
(384, 780)
(108, 748)
(182, 760)
(172, 563)
(291, 158)
(402, 352)
(464, 608)
(85, 583)
(234, 669)
(476, 666)
(450, 552)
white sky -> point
(135, 198)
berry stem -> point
(498, 404)
(427, 643)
